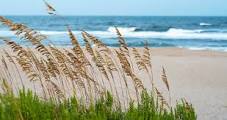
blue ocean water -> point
(184, 32)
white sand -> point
(198, 76)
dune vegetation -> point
(93, 81)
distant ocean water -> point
(195, 33)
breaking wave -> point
(122, 29)
(172, 33)
(205, 24)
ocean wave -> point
(53, 32)
(221, 49)
(172, 33)
(122, 29)
(6, 33)
(11, 33)
(214, 30)
(205, 24)
(179, 31)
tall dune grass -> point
(83, 82)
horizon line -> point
(123, 15)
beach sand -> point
(198, 76)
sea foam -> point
(122, 29)
(205, 24)
(172, 33)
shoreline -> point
(169, 51)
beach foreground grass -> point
(94, 82)
(28, 106)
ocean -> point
(195, 33)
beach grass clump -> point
(28, 106)
(93, 81)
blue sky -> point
(118, 7)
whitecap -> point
(221, 49)
(122, 29)
(205, 24)
(172, 33)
